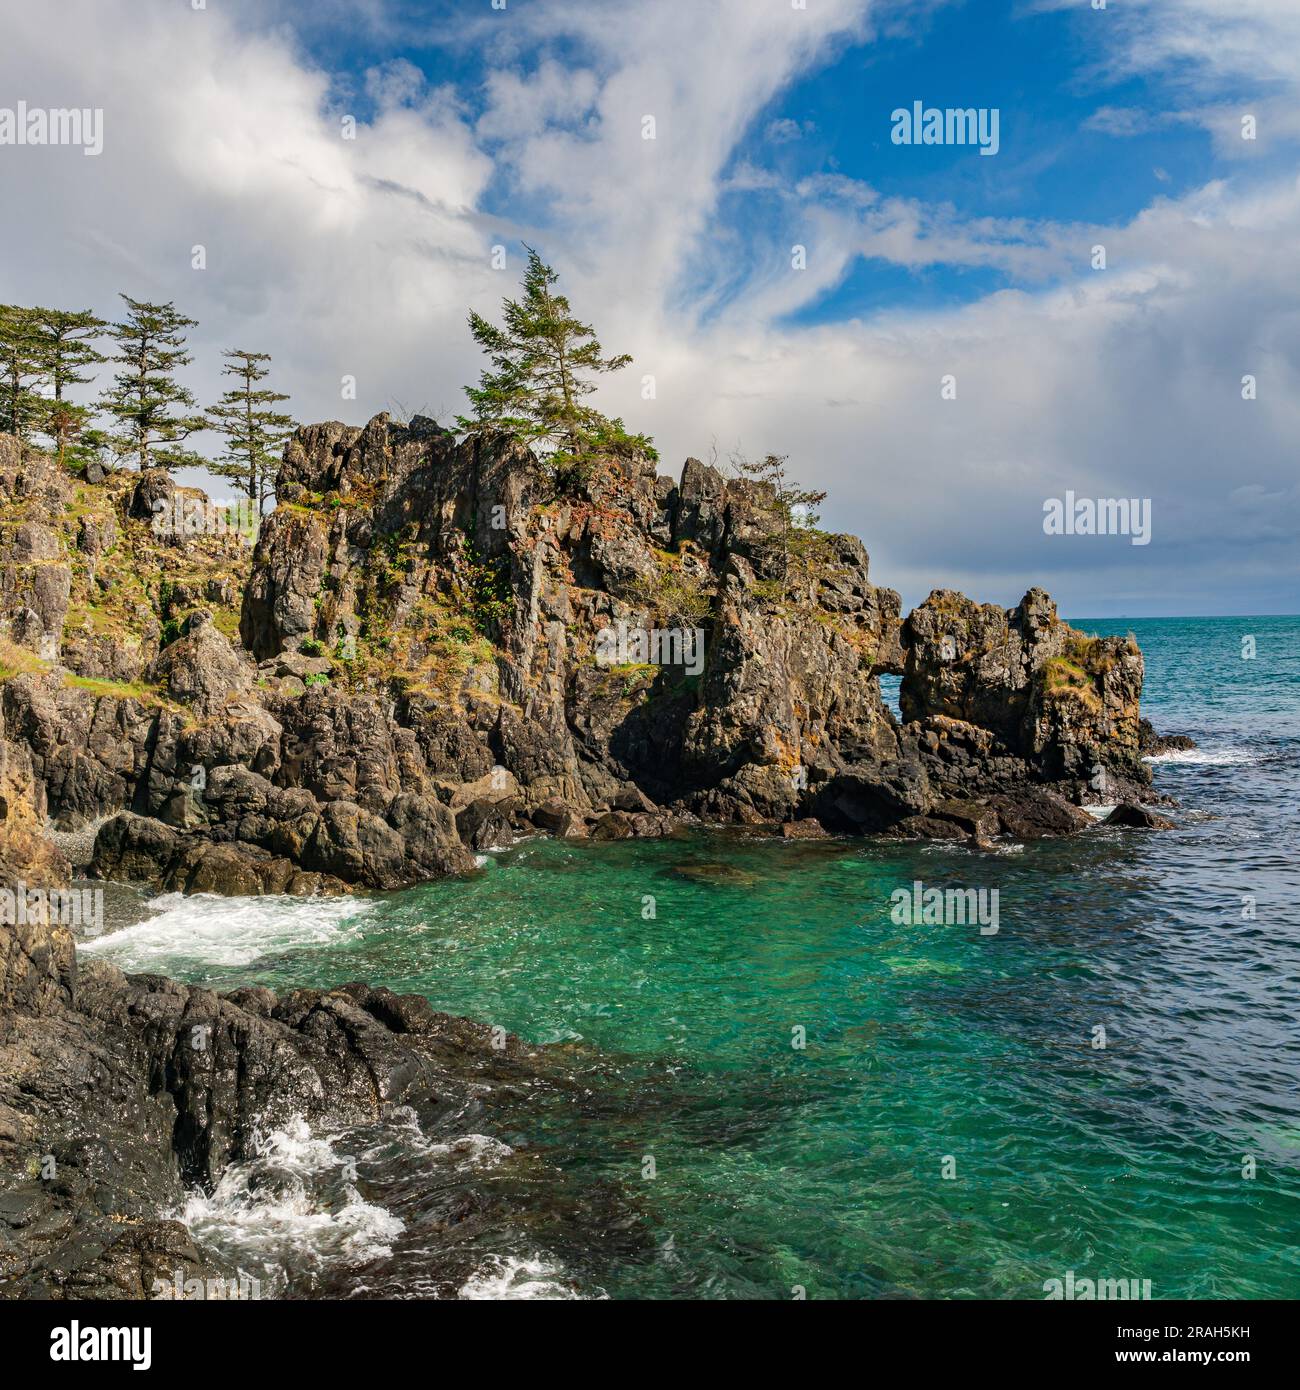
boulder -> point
(1137, 818)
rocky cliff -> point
(428, 652)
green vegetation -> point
(485, 590)
(20, 370)
(796, 539)
(255, 432)
(117, 690)
(543, 364)
(146, 400)
(66, 345)
(676, 596)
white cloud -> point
(362, 257)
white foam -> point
(227, 932)
(507, 1277)
(266, 1215)
(474, 1150)
(1210, 757)
(465, 1150)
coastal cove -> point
(777, 1167)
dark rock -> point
(1150, 742)
(485, 825)
(1137, 817)
(1033, 812)
(200, 667)
(153, 495)
(803, 830)
(614, 825)
(424, 632)
(120, 1095)
(557, 819)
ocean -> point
(775, 1090)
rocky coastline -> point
(409, 667)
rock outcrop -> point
(121, 1095)
(429, 652)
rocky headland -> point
(406, 669)
(410, 666)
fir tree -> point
(255, 433)
(66, 346)
(147, 401)
(20, 371)
(544, 362)
(794, 508)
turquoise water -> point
(686, 968)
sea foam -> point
(226, 932)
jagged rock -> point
(803, 830)
(485, 825)
(139, 849)
(1033, 812)
(1064, 703)
(200, 667)
(153, 493)
(1150, 742)
(973, 818)
(119, 1095)
(558, 819)
(424, 636)
(613, 825)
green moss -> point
(117, 690)
(1065, 679)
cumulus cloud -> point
(360, 257)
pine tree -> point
(20, 371)
(146, 399)
(543, 364)
(794, 508)
(255, 434)
(66, 345)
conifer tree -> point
(147, 401)
(65, 341)
(543, 365)
(20, 371)
(793, 507)
(255, 433)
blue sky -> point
(477, 127)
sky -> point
(943, 354)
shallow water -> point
(692, 966)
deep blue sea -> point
(792, 1092)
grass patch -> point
(139, 691)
